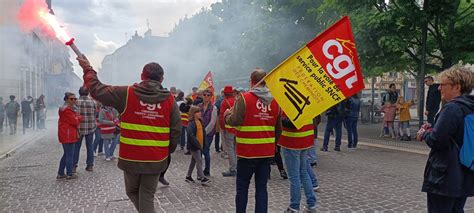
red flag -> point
(207, 82)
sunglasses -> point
(73, 99)
(207, 95)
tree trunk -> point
(420, 93)
(421, 75)
(372, 111)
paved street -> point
(363, 180)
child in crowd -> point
(405, 117)
(195, 140)
(389, 110)
(107, 124)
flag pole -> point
(268, 74)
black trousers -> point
(162, 175)
(443, 204)
(26, 120)
(431, 115)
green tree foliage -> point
(240, 35)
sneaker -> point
(90, 168)
(189, 180)
(107, 159)
(205, 182)
(96, 154)
(187, 153)
(307, 209)
(283, 174)
(164, 181)
(60, 177)
(199, 179)
(337, 149)
(290, 210)
(316, 188)
(314, 164)
(73, 176)
(324, 149)
(229, 174)
(182, 148)
(207, 174)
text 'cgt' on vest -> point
(145, 133)
(255, 137)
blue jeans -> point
(90, 151)
(333, 122)
(296, 167)
(114, 144)
(109, 146)
(245, 170)
(98, 142)
(183, 137)
(207, 154)
(66, 160)
(312, 157)
(352, 136)
(312, 175)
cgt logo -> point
(262, 107)
(340, 65)
(151, 107)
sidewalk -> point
(369, 136)
(10, 143)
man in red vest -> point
(228, 133)
(150, 129)
(255, 116)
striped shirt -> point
(86, 108)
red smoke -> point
(34, 15)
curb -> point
(31, 138)
(401, 149)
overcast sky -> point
(100, 26)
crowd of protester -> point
(32, 112)
(230, 120)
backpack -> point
(12, 107)
(466, 154)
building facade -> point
(31, 64)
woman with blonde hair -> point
(447, 182)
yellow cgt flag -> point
(318, 76)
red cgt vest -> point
(230, 102)
(107, 129)
(255, 137)
(145, 130)
(297, 139)
(184, 119)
